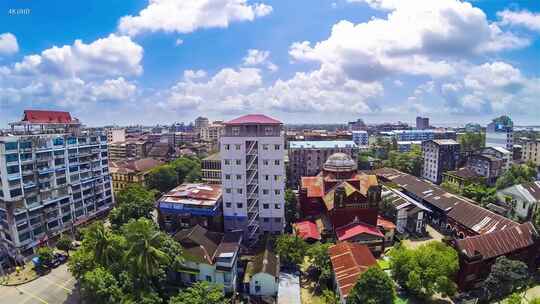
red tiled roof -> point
(314, 185)
(500, 242)
(349, 261)
(39, 116)
(307, 230)
(253, 119)
(386, 224)
(351, 230)
(343, 216)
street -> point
(57, 287)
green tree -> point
(162, 178)
(45, 255)
(450, 187)
(514, 298)
(100, 286)
(373, 287)
(472, 141)
(144, 254)
(506, 276)
(291, 208)
(132, 202)
(291, 249)
(518, 174)
(64, 243)
(187, 169)
(320, 263)
(106, 246)
(200, 293)
(427, 270)
(329, 297)
(534, 301)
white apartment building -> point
(53, 177)
(212, 132)
(531, 151)
(500, 133)
(360, 138)
(116, 135)
(253, 175)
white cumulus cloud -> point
(186, 16)
(256, 57)
(524, 18)
(8, 44)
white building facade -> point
(253, 176)
(360, 138)
(50, 182)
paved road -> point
(57, 287)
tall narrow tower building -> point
(253, 176)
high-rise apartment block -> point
(500, 133)
(253, 176)
(201, 122)
(53, 177)
(422, 123)
(440, 155)
(531, 151)
(361, 138)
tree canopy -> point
(373, 287)
(291, 249)
(472, 141)
(132, 202)
(506, 276)
(291, 208)
(320, 263)
(131, 261)
(518, 174)
(162, 178)
(408, 162)
(426, 270)
(200, 293)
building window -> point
(276, 147)
(265, 162)
(236, 131)
(238, 161)
(209, 278)
(266, 177)
(239, 190)
(265, 219)
(228, 190)
(276, 162)
(268, 131)
(238, 176)
(239, 205)
(237, 147)
(277, 220)
(277, 192)
(227, 162)
(266, 206)
(276, 177)
(227, 176)
(265, 191)
(228, 205)
(227, 147)
(265, 146)
(277, 206)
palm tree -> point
(104, 244)
(144, 253)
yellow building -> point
(125, 172)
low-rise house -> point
(349, 262)
(522, 198)
(132, 171)
(262, 273)
(463, 177)
(191, 204)
(478, 253)
(361, 233)
(407, 214)
(210, 256)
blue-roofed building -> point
(191, 204)
(306, 158)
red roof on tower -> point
(38, 116)
(253, 119)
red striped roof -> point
(253, 119)
(39, 116)
(307, 230)
(349, 231)
(349, 261)
(386, 224)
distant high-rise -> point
(253, 176)
(201, 122)
(500, 133)
(422, 123)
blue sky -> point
(310, 61)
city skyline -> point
(164, 62)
